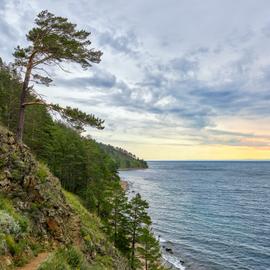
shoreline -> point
(130, 169)
(166, 262)
(124, 185)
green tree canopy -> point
(53, 41)
(149, 249)
(138, 219)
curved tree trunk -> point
(19, 134)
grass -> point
(68, 258)
(91, 224)
(95, 240)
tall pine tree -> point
(53, 41)
(138, 219)
(149, 249)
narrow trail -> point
(36, 262)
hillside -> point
(36, 215)
(123, 158)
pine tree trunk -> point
(133, 249)
(98, 209)
(19, 134)
(115, 227)
(133, 240)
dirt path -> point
(36, 262)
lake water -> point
(213, 215)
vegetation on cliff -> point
(35, 214)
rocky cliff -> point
(35, 215)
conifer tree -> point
(149, 249)
(119, 219)
(138, 219)
(53, 41)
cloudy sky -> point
(179, 79)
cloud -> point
(123, 43)
(98, 78)
(170, 72)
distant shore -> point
(131, 169)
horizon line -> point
(257, 160)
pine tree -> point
(138, 219)
(53, 41)
(119, 219)
(149, 249)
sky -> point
(178, 80)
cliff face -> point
(34, 191)
(35, 214)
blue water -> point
(214, 215)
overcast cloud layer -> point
(175, 75)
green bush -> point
(8, 214)
(11, 245)
(8, 225)
(74, 257)
(66, 259)
(42, 172)
(3, 246)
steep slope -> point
(36, 215)
(91, 248)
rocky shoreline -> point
(124, 184)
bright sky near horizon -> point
(179, 79)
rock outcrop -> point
(37, 214)
(34, 190)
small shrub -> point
(36, 247)
(66, 259)
(6, 207)
(42, 172)
(54, 263)
(11, 245)
(74, 257)
(8, 225)
(3, 245)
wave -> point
(174, 261)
